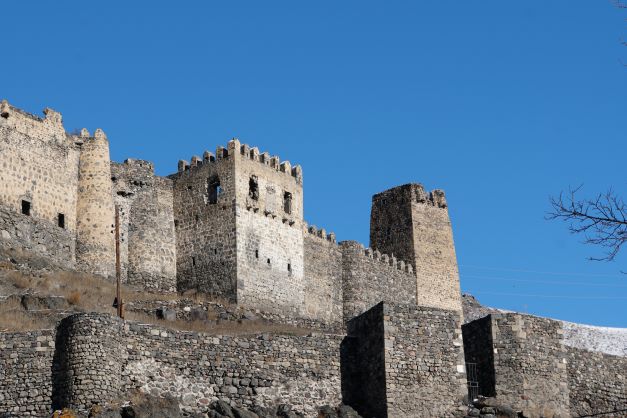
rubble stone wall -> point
(148, 244)
(323, 278)
(26, 372)
(205, 229)
(402, 360)
(597, 383)
(369, 277)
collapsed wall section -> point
(26, 372)
(147, 235)
(323, 276)
(38, 184)
(369, 277)
(410, 359)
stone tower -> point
(414, 225)
(95, 241)
(239, 228)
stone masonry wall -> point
(323, 277)
(38, 236)
(205, 231)
(597, 383)
(369, 277)
(38, 164)
(270, 259)
(414, 225)
(26, 373)
(424, 361)
(363, 364)
(148, 241)
(479, 349)
(529, 362)
(87, 365)
(404, 361)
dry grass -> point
(74, 298)
(19, 320)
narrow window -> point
(268, 261)
(25, 207)
(215, 251)
(289, 267)
(257, 254)
(253, 188)
(213, 190)
(287, 202)
(193, 261)
(61, 220)
(176, 223)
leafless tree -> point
(602, 220)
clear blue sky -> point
(499, 103)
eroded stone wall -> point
(38, 165)
(38, 236)
(148, 241)
(369, 277)
(414, 225)
(95, 239)
(26, 373)
(597, 383)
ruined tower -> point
(95, 241)
(414, 225)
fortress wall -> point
(38, 164)
(303, 371)
(369, 277)
(148, 242)
(26, 372)
(410, 359)
(205, 232)
(529, 362)
(597, 383)
(323, 277)
(270, 264)
(37, 236)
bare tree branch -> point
(602, 220)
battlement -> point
(377, 256)
(234, 147)
(412, 192)
(319, 233)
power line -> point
(545, 272)
(552, 296)
(507, 279)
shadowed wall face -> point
(413, 225)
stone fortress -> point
(392, 341)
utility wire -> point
(551, 296)
(616, 276)
(506, 279)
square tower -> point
(414, 226)
(238, 218)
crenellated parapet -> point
(377, 256)
(314, 231)
(412, 193)
(235, 149)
